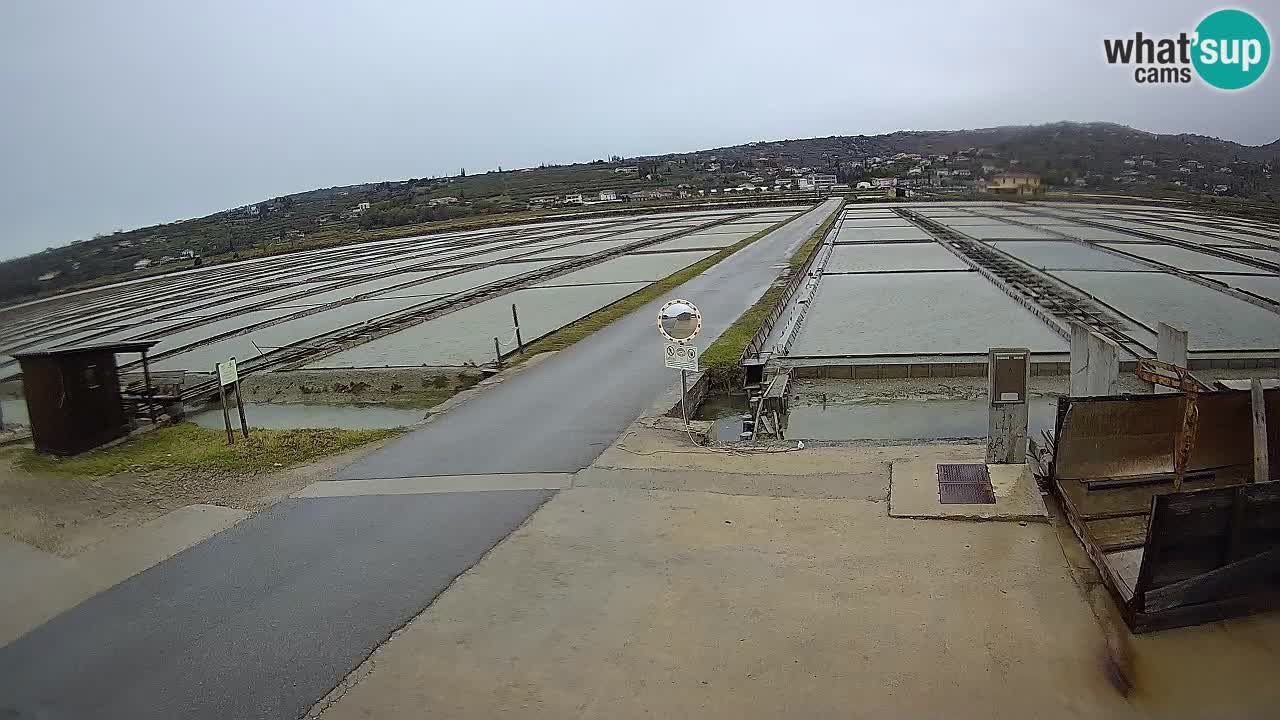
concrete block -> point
(841, 372)
(970, 370)
(1079, 365)
(893, 371)
(944, 370)
(805, 372)
(1103, 373)
(921, 370)
(913, 493)
(1237, 364)
(1171, 347)
(866, 372)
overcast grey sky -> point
(129, 112)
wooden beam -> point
(1215, 584)
(1261, 473)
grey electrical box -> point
(1010, 371)
(1009, 374)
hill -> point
(1093, 156)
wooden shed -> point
(74, 397)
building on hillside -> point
(821, 181)
(641, 195)
(1015, 182)
(627, 169)
(543, 200)
(434, 202)
(572, 199)
(142, 264)
(608, 195)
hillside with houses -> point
(1093, 157)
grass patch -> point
(568, 335)
(722, 359)
(187, 446)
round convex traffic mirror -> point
(679, 320)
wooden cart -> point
(1173, 558)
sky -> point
(131, 112)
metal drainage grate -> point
(965, 484)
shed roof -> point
(135, 346)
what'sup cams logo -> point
(1229, 50)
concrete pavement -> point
(559, 416)
(655, 604)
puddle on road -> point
(906, 420)
(293, 416)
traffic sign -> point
(679, 356)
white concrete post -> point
(1079, 360)
(1104, 366)
(1171, 347)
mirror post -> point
(684, 398)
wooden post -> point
(148, 392)
(1261, 473)
(497, 352)
(516, 319)
(244, 426)
(226, 417)
(1171, 347)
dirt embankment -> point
(400, 387)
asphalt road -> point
(262, 620)
(561, 414)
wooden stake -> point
(244, 426)
(226, 417)
(1261, 473)
(516, 320)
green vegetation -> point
(570, 334)
(722, 359)
(187, 446)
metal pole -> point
(516, 319)
(497, 352)
(244, 426)
(226, 417)
(684, 407)
(150, 395)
